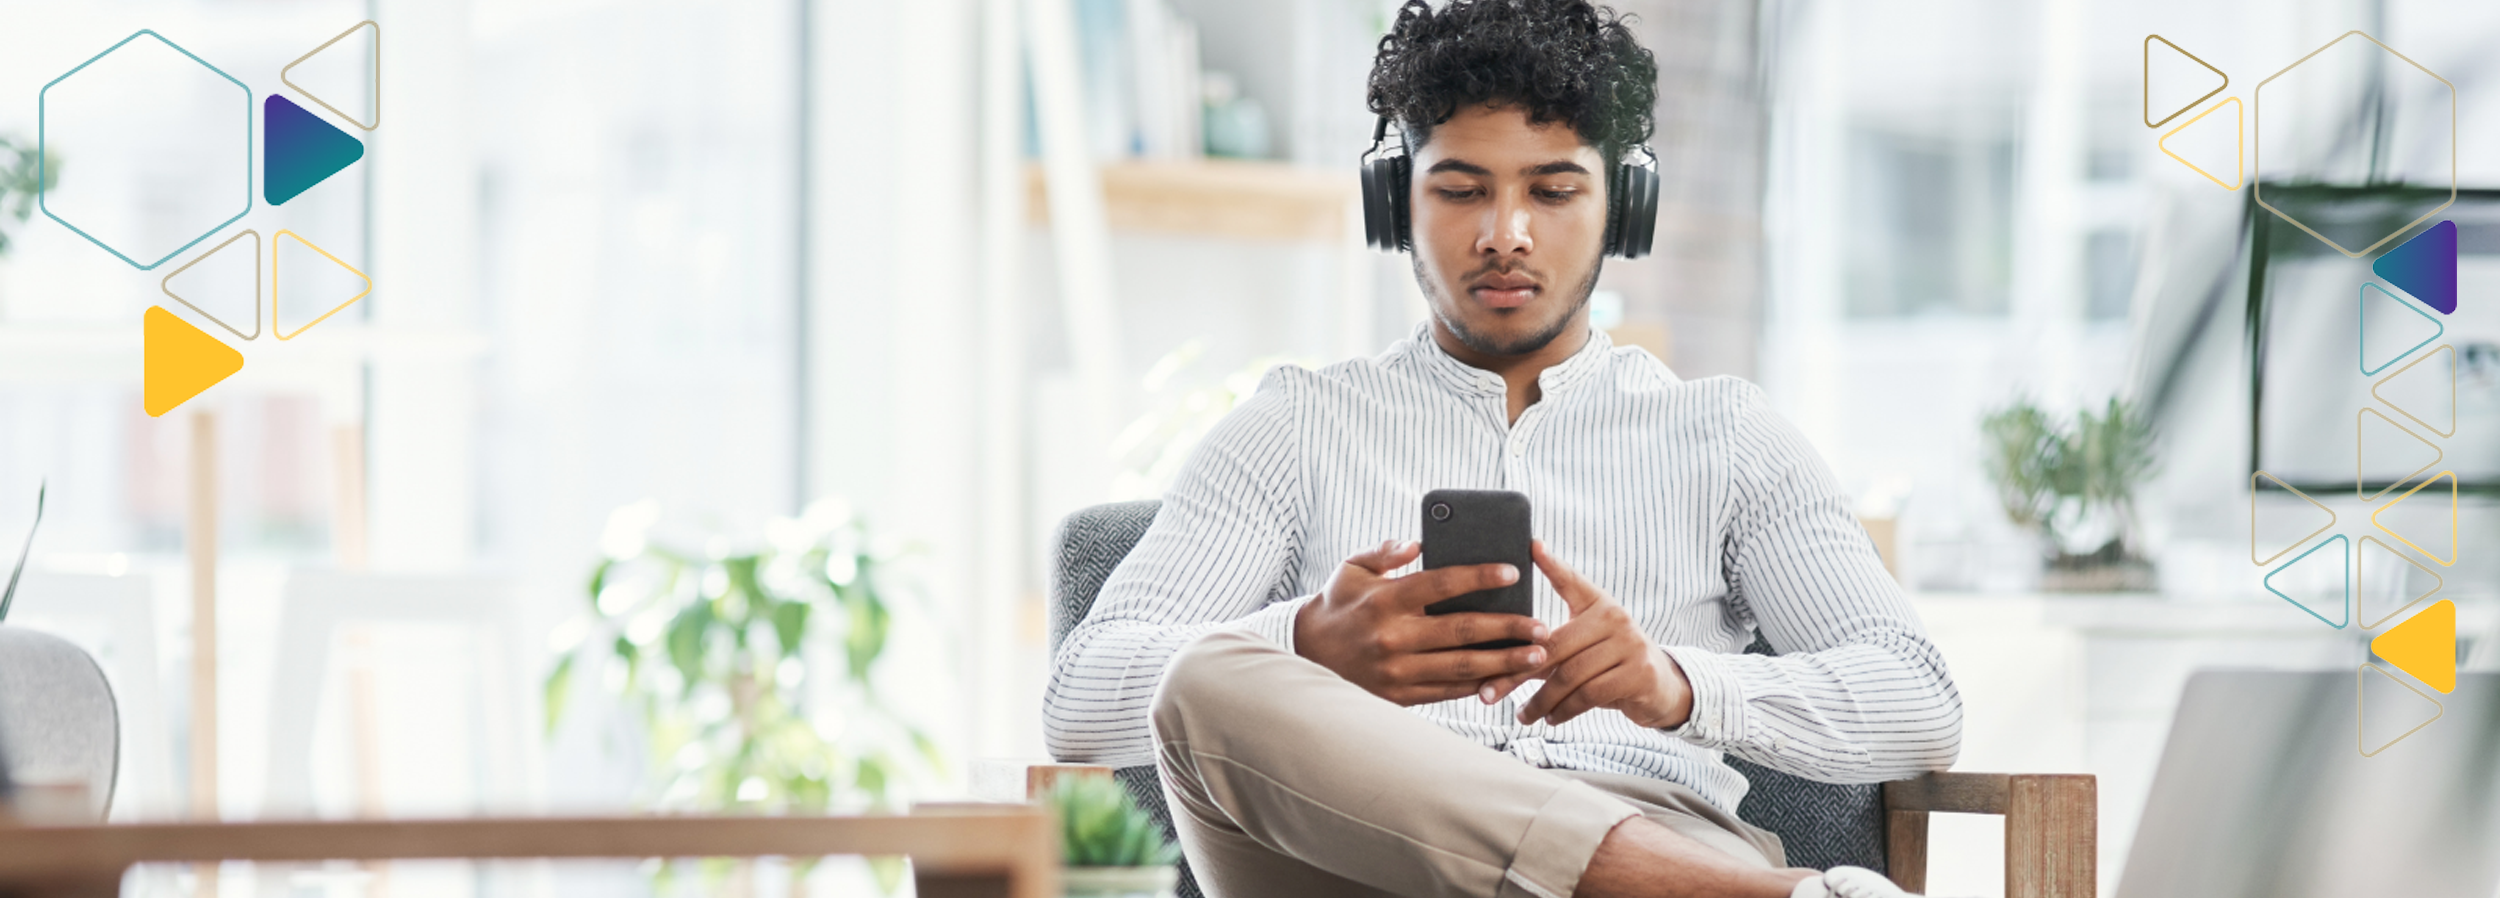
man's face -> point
(1509, 225)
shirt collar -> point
(1469, 379)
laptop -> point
(2263, 790)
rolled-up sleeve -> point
(1857, 693)
(1221, 552)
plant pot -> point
(1118, 882)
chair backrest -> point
(58, 723)
(1821, 824)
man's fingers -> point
(1388, 556)
(1616, 684)
(1574, 591)
(1567, 676)
(1416, 590)
(1427, 693)
(1466, 666)
(1450, 631)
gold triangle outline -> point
(2437, 582)
(2252, 518)
(2239, 171)
(2453, 545)
(2438, 454)
(377, 75)
(167, 285)
(2361, 709)
(2148, 80)
(274, 325)
(2451, 350)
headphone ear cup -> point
(1401, 221)
(1638, 210)
(1376, 215)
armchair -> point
(2050, 826)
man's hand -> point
(1371, 628)
(1600, 660)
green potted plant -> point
(25, 173)
(752, 670)
(1110, 846)
(2073, 486)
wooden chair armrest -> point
(1040, 777)
(2051, 827)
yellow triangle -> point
(2451, 560)
(2424, 646)
(2449, 351)
(274, 270)
(180, 361)
(2252, 518)
(2239, 144)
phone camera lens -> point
(1440, 511)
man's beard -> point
(1442, 303)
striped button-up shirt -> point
(1691, 503)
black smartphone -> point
(1463, 527)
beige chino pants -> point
(1285, 779)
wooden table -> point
(1007, 851)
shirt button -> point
(1518, 449)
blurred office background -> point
(967, 265)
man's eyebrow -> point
(1563, 167)
(1457, 165)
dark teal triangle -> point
(300, 150)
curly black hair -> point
(1556, 60)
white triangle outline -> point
(377, 75)
(2252, 518)
(2361, 709)
(167, 285)
(2360, 596)
(2451, 350)
(2437, 455)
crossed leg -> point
(1285, 779)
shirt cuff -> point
(1718, 716)
(1276, 621)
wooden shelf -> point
(1217, 198)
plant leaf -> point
(559, 685)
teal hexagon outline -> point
(41, 151)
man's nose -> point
(1506, 228)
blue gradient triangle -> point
(2425, 266)
(301, 150)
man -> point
(1673, 519)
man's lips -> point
(1505, 291)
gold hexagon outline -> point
(2257, 150)
(2148, 81)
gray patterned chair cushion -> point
(1822, 824)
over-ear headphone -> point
(1631, 198)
